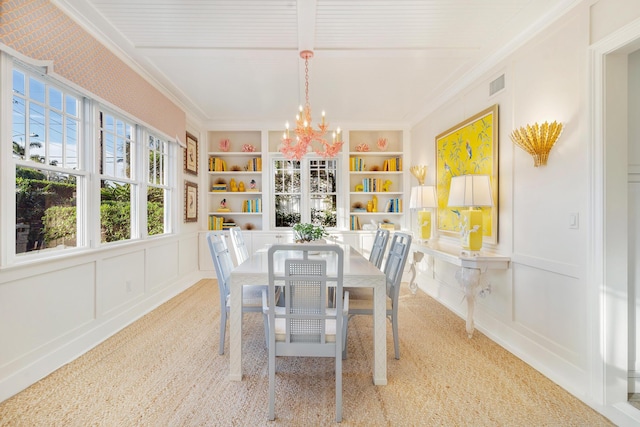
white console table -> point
(471, 269)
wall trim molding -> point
(549, 265)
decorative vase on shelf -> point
(224, 144)
(363, 148)
(382, 144)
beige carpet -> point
(164, 370)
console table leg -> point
(469, 279)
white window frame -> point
(86, 170)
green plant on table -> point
(305, 232)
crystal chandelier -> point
(305, 134)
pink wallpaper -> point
(41, 31)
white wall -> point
(540, 309)
(51, 312)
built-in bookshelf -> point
(376, 167)
(234, 164)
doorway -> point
(613, 248)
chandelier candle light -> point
(304, 132)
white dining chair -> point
(306, 325)
(361, 300)
(251, 294)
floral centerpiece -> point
(305, 232)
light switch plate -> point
(574, 220)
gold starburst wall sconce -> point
(420, 172)
(537, 140)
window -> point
(117, 188)
(305, 191)
(48, 174)
(287, 192)
(53, 173)
(158, 190)
(322, 192)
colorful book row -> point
(217, 165)
(252, 205)
(370, 185)
(393, 205)
(255, 164)
(392, 164)
(355, 222)
(356, 164)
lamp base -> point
(424, 224)
(471, 232)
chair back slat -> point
(239, 244)
(396, 260)
(379, 246)
(221, 261)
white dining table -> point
(358, 273)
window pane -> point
(55, 139)
(155, 211)
(157, 160)
(71, 151)
(55, 98)
(19, 128)
(287, 210)
(45, 210)
(36, 135)
(18, 82)
(72, 106)
(36, 90)
(109, 155)
(115, 211)
(323, 210)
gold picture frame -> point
(468, 148)
(191, 155)
(190, 201)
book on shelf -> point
(393, 205)
(356, 164)
(355, 222)
(255, 164)
(252, 205)
(217, 164)
(215, 222)
(371, 185)
(393, 164)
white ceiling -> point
(375, 61)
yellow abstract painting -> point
(469, 148)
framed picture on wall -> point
(468, 148)
(190, 201)
(191, 155)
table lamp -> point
(473, 192)
(422, 197)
